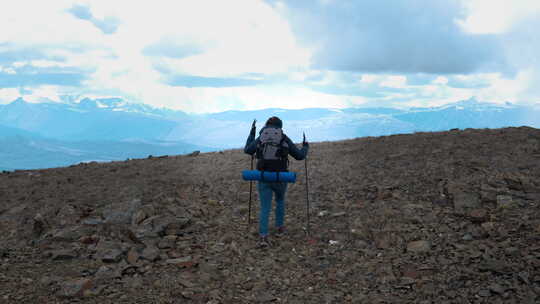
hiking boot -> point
(280, 231)
(263, 242)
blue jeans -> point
(266, 190)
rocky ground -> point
(449, 217)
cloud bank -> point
(209, 56)
(419, 36)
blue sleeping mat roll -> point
(266, 176)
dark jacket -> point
(298, 154)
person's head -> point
(274, 121)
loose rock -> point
(183, 262)
(112, 255)
(74, 288)
(419, 246)
(63, 254)
(150, 253)
(505, 201)
(478, 215)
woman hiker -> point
(272, 148)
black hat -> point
(274, 121)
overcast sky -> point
(212, 56)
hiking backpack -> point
(272, 150)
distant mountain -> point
(229, 129)
(469, 114)
(101, 119)
(52, 133)
(43, 135)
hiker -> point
(272, 148)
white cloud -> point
(7, 95)
(241, 36)
(503, 89)
(440, 80)
(45, 63)
(33, 23)
(496, 16)
(7, 70)
(201, 100)
(18, 64)
(370, 78)
(394, 81)
(44, 93)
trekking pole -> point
(250, 190)
(307, 191)
(251, 182)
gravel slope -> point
(447, 217)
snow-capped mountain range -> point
(49, 134)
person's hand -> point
(253, 127)
(304, 142)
